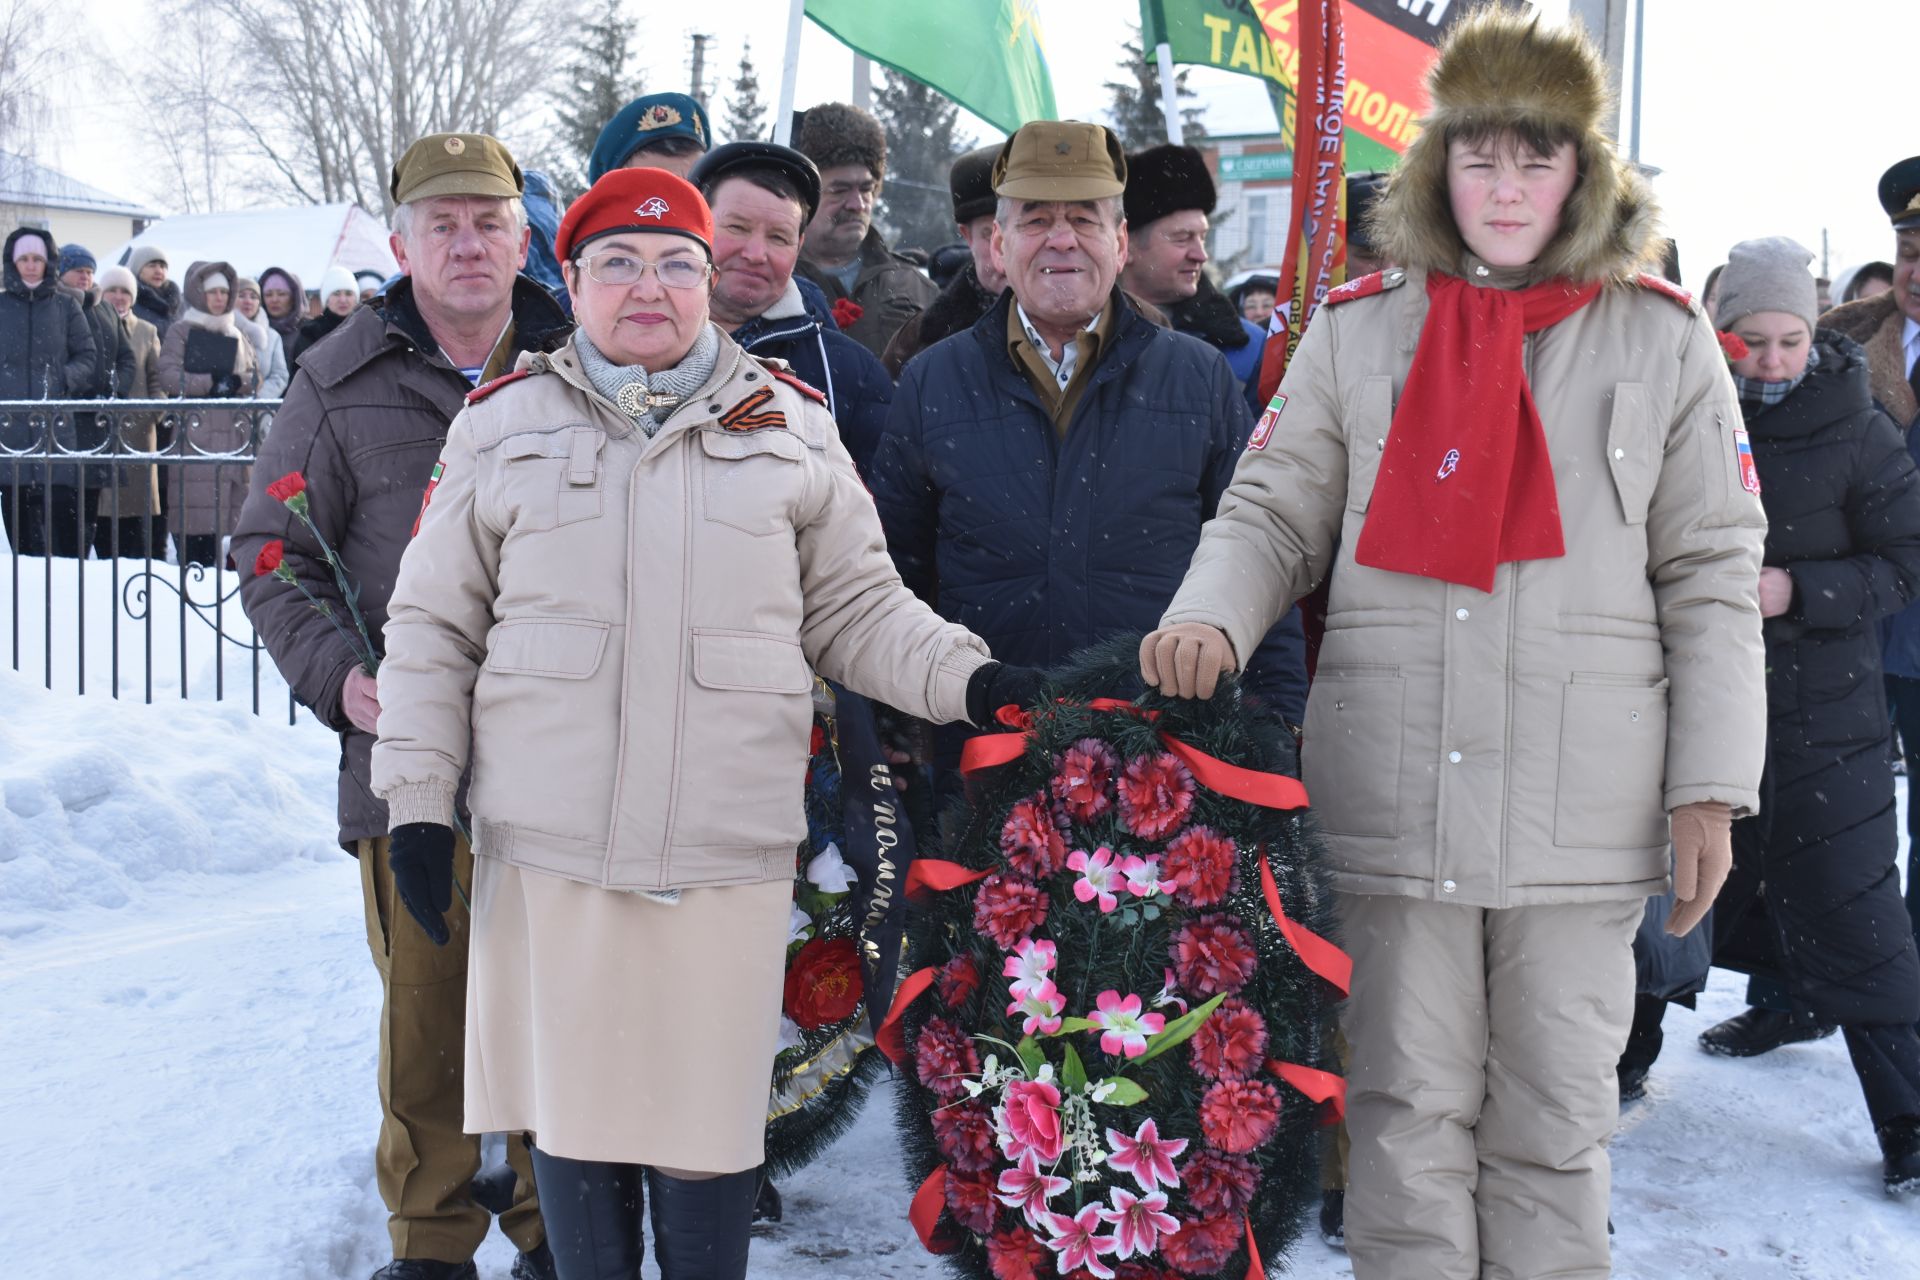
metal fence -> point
(122, 508)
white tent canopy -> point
(305, 240)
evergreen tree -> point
(1136, 112)
(916, 206)
(597, 84)
(746, 114)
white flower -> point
(828, 871)
(799, 925)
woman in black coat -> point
(46, 353)
(1814, 898)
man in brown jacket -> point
(364, 422)
(1543, 638)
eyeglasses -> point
(623, 269)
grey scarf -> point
(648, 398)
(1765, 395)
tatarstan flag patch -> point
(1263, 430)
(439, 468)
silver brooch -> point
(635, 400)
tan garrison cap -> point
(456, 164)
(1060, 160)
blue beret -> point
(644, 121)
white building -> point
(71, 211)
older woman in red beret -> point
(636, 553)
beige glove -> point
(1186, 659)
(1702, 857)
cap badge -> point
(1064, 148)
(1913, 205)
(654, 207)
(455, 146)
(658, 116)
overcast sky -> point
(1766, 117)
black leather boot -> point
(1758, 1031)
(701, 1225)
(1333, 1218)
(1900, 1152)
(425, 1269)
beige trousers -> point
(1482, 1091)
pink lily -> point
(1147, 1156)
(1141, 1220)
(1143, 878)
(1124, 1029)
(1027, 1189)
(1097, 877)
(1029, 966)
(1074, 1240)
(1041, 1008)
(1169, 993)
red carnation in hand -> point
(1201, 862)
(1201, 1245)
(1212, 954)
(1733, 346)
(1017, 1254)
(959, 979)
(1219, 1184)
(964, 1134)
(1083, 784)
(1032, 840)
(942, 1056)
(1156, 795)
(1230, 1043)
(1008, 909)
(846, 311)
(823, 982)
(970, 1201)
(287, 486)
(268, 561)
(1239, 1115)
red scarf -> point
(1466, 482)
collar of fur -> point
(201, 320)
(1211, 317)
(1877, 324)
(788, 305)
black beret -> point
(1166, 179)
(1900, 193)
(971, 182)
(737, 158)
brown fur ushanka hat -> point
(1503, 73)
(835, 133)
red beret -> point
(635, 200)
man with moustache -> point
(873, 290)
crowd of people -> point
(1601, 578)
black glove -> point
(421, 855)
(227, 384)
(996, 684)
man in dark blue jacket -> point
(1045, 474)
(763, 195)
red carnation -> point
(1083, 784)
(970, 1201)
(1217, 1183)
(1032, 840)
(268, 561)
(1732, 345)
(1230, 1043)
(1017, 1254)
(287, 486)
(964, 1134)
(1201, 861)
(1156, 795)
(846, 311)
(1212, 954)
(942, 1056)
(816, 740)
(959, 979)
(1201, 1245)
(1008, 909)
(1239, 1115)
(823, 982)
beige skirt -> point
(614, 1027)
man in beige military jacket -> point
(1493, 749)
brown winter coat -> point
(628, 628)
(1520, 747)
(890, 290)
(139, 485)
(1878, 324)
(363, 421)
(208, 497)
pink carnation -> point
(1008, 909)
(1239, 1115)
(1083, 784)
(1230, 1043)
(1212, 954)
(964, 1134)
(1156, 795)
(1201, 862)
(943, 1056)
(1201, 1245)
(1032, 840)
(1219, 1184)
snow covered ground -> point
(187, 1060)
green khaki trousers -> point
(426, 1159)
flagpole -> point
(1169, 92)
(789, 72)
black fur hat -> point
(835, 133)
(1166, 179)
(971, 183)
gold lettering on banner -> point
(1217, 27)
(886, 821)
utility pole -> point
(1825, 272)
(862, 82)
(699, 69)
(1606, 23)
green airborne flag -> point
(983, 54)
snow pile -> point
(100, 799)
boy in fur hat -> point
(1519, 460)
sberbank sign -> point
(1262, 166)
